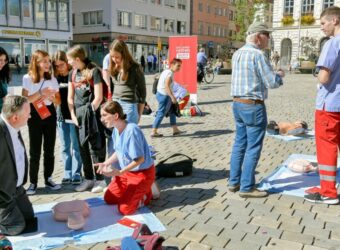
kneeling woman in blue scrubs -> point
(130, 187)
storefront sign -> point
(21, 33)
(185, 48)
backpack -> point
(155, 84)
(179, 168)
(106, 93)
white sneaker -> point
(155, 190)
(98, 187)
(85, 185)
(51, 184)
(32, 189)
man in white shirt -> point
(16, 212)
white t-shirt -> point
(106, 62)
(161, 82)
(32, 88)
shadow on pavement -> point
(214, 102)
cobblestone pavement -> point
(198, 211)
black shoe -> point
(318, 198)
(65, 181)
(76, 180)
(32, 189)
(51, 184)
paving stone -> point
(192, 235)
(308, 247)
(335, 234)
(301, 238)
(290, 219)
(327, 243)
(233, 244)
(178, 242)
(208, 228)
(316, 223)
(271, 232)
(264, 221)
(215, 241)
(314, 231)
(284, 244)
(262, 240)
(195, 246)
(292, 227)
(246, 227)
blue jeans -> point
(163, 101)
(70, 150)
(131, 111)
(251, 122)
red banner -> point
(185, 48)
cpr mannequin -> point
(73, 212)
(287, 128)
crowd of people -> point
(96, 113)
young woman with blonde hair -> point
(85, 94)
(42, 91)
(65, 126)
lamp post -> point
(299, 33)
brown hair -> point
(79, 52)
(34, 69)
(120, 47)
(113, 107)
(331, 11)
(175, 60)
(59, 56)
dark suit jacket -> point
(8, 170)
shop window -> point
(181, 27)
(64, 14)
(54, 46)
(13, 6)
(32, 45)
(12, 47)
(2, 7)
(52, 10)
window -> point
(200, 7)
(169, 25)
(327, 3)
(155, 23)
(308, 7)
(208, 8)
(182, 4)
(93, 17)
(231, 15)
(289, 7)
(140, 21)
(181, 27)
(159, 2)
(73, 19)
(31, 46)
(12, 46)
(63, 12)
(209, 30)
(124, 18)
(40, 10)
(52, 10)
(2, 7)
(170, 3)
(13, 7)
(26, 8)
(200, 28)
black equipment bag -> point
(180, 166)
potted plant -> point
(307, 19)
(287, 20)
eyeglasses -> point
(59, 65)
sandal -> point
(156, 135)
(178, 132)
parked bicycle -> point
(207, 75)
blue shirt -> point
(202, 58)
(328, 96)
(130, 145)
(252, 74)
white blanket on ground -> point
(309, 135)
(100, 226)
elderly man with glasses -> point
(252, 76)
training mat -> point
(285, 181)
(100, 226)
(309, 135)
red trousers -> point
(327, 136)
(131, 189)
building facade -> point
(144, 25)
(210, 22)
(297, 33)
(28, 25)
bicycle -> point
(209, 74)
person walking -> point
(65, 126)
(327, 114)
(4, 75)
(165, 95)
(252, 75)
(85, 94)
(42, 91)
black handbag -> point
(180, 165)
